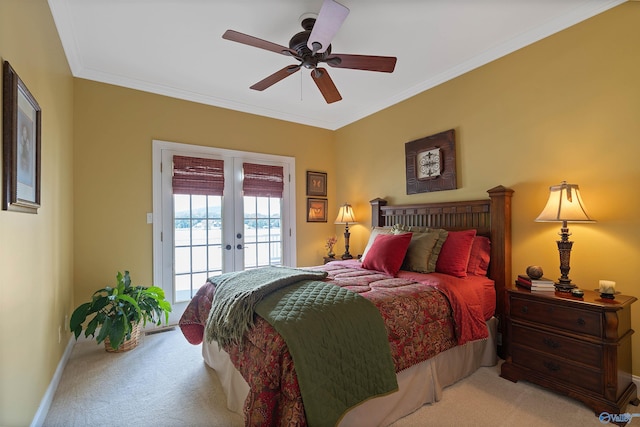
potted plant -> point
(331, 241)
(119, 311)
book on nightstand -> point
(541, 284)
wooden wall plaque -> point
(431, 163)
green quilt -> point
(238, 293)
(338, 343)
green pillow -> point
(424, 248)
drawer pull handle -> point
(551, 343)
(525, 309)
(551, 366)
(581, 321)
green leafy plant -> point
(117, 310)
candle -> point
(607, 287)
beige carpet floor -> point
(165, 383)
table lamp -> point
(564, 205)
(346, 216)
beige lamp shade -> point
(345, 215)
(564, 204)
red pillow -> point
(387, 253)
(455, 252)
(480, 255)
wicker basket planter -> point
(123, 307)
(127, 344)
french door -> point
(201, 231)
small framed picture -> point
(316, 184)
(21, 145)
(316, 210)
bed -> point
(258, 374)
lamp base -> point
(347, 256)
(565, 287)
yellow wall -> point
(565, 108)
(114, 129)
(36, 258)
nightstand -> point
(328, 259)
(580, 347)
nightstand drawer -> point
(566, 318)
(557, 345)
(563, 371)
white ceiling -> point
(175, 47)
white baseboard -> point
(45, 403)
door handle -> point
(228, 247)
(238, 246)
(239, 235)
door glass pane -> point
(197, 242)
(182, 220)
(262, 238)
(215, 258)
(214, 235)
(250, 259)
(182, 260)
(199, 206)
(199, 262)
(197, 280)
(183, 287)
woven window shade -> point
(263, 180)
(194, 175)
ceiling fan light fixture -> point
(330, 18)
(312, 47)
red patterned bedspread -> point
(421, 322)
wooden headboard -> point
(490, 217)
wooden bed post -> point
(500, 266)
(376, 213)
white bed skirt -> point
(418, 385)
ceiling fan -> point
(312, 47)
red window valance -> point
(262, 180)
(195, 175)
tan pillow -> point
(409, 228)
(374, 233)
(424, 248)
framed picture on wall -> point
(22, 118)
(316, 184)
(316, 210)
(431, 163)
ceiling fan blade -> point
(385, 64)
(325, 84)
(276, 77)
(330, 18)
(256, 42)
